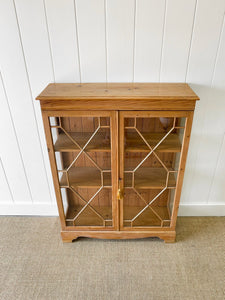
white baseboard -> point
(28, 209)
(42, 209)
(202, 210)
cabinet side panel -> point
(53, 167)
(184, 151)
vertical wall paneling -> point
(34, 35)
(46, 41)
(32, 23)
(203, 53)
(10, 155)
(16, 83)
(206, 33)
(148, 39)
(217, 192)
(63, 39)
(216, 132)
(5, 195)
(91, 36)
(120, 16)
(218, 80)
(177, 38)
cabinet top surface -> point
(150, 91)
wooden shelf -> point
(134, 142)
(147, 218)
(89, 218)
(85, 177)
(98, 143)
(144, 178)
(150, 178)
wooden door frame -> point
(114, 164)
(183, 156)
(182, 164)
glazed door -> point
(151, 152)
(83, 156)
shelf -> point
(150, 178)
(85, 177)
(144, 178)
(89, 218)
(146, 218)
(98, 143)
(134, 142)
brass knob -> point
(119, 194)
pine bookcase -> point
(117, 154)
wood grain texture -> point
(145, 178)
(133, 142)
(136, 144)
(167, 236)
(115, 167)
(52, 159)
(85, 177)
(184, 151)
(64, 144)
(150, 178)
(95, 91)
(120, 104)
(88, 218)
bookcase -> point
(117, 154)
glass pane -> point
(151, 164)
(83, 156)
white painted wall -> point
(44, 41)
